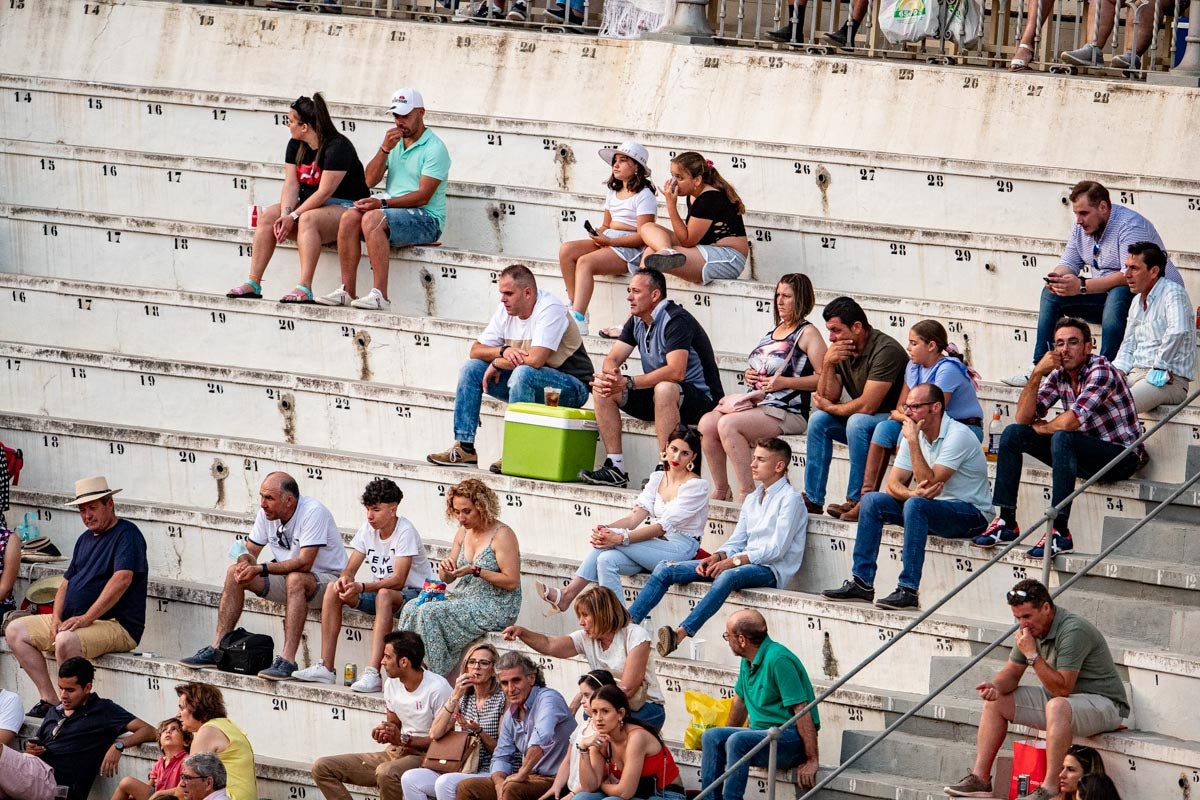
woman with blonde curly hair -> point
(484, 564)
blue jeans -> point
(1070, 454)
(825, 429)
(651, 713)
(607, 566)
(521, 385)
(366, 600)
(952, 519)
(667, 575)
(723, 746)
(1109, 308)
(887, 433)
(408, 226)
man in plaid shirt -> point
(1097, 423)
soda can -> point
(1022, 785)
(350, 674)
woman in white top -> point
(675, 496)
(616, 246)
(397, 564)
(609, 640)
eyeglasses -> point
(188, 778)
(479, 662)
(914, 406)
(1060, 343)
(727, 636)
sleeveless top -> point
(660, 766)
(238, 759)
(768, 355)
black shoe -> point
(840, 38)
(899, 600)
(784, 35)
(40, 709)
(851, 590)
(607, 475)
(557, 13)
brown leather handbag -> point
(457, 751)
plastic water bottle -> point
(993, 438)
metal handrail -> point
(773, 733)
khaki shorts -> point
(105, 636)
(277, 588)
(1090, 713)
(790, 424)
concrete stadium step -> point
(825, 182)
(186, 455)
(532, 223)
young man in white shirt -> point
(766, 549)
(308, 555)
(394, 554)
(413, 696)
(531, 342)
(12, 717)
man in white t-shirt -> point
(413, 696)
(531, 342)
(394, 554)
(12, 716)
(307, 555)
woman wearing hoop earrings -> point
(626, 758)
(675, 496)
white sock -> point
(618, 461)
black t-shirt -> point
(714, 205)
(95, 559)
(76, 744)
(337, 155)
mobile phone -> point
(1046, 278)
(587, 226)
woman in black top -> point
(322, 178)
(711, 243)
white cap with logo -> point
(405, 100)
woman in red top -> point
(625, 759)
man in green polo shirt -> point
(772, 686)
(413, 210)
(1081, 693)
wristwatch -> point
(629, 387)
(119, 745)
(737, 561)
(295, 216)
(1033, 659)
(1082, 285)
(475, 570)
(264, 571)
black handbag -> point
(245, 653)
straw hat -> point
(90, 489)
(43, 590)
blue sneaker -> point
(1062, 544)
(205, 658)
(280, 670)
(996, 532)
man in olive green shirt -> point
(1081, 693)
(772, 685)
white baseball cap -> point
(631, 149)
(405, 100)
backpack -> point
(245, 653)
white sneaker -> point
(582, 321)
(372, 302)
(1020, 379)
(339, 298)
(368, 682)
(315, 674)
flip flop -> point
(544, 592)
(610, 333)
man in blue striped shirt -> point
(1098, 243)
(1158, 356)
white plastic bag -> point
(909, 20)
(964, 22)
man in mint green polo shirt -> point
(413, 210)
(772, 685)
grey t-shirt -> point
(1074, 644)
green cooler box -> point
(548, 443)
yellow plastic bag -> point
(707, 712)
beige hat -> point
(43, 590)
(90, 489)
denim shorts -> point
(337, 201)
(409, 226)
(721, 263)
(366, 601)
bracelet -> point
(382, 150)
(504, 347)
(475, 570)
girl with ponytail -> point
(322, 178)
(711, 243)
